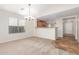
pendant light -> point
(29, 15)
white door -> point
(78, 30)
(68, 27)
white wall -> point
(59, 27)
(3, 27)
(4, 35)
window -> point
(16, 26)
(13, 21)
(21, 22)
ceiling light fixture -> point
(29, 15)
(27, 12)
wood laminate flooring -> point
(31, 46)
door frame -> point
(76, 18)
(64, 23)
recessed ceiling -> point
(37, 10)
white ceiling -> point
(38, 10)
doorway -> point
(69, 26)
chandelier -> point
(29, 16)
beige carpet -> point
(30, 46)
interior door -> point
(78, 29)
